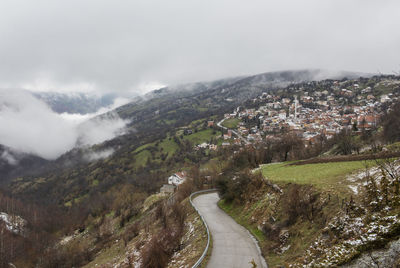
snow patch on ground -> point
(359, 179)
(360, 176)
(354, 188)
(355, 233)
(384, 257)
(66, 240)
(13, 223)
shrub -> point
(154, 255)
(301, 201)
(131, 232)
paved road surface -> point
(232, 244)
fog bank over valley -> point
(30, 126)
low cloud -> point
(80, 118)
(10, 159)
(93, 156)
(30, 126)
(100, 129)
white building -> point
(282, 116)
(177, 178)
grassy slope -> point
(169, 146)
(324, 176)
(141, 158)
(202, 136)
(231, 123)
(166, 145)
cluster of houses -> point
(205, 145)
(310, 114)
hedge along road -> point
(232, 244)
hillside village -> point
(314, 109)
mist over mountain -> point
(72, 103)
(30, 126)
(13, 163)
(246, 86)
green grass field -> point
(169, 146)
(141, 158)
(231, 123)
(196, 123)
(144, 146)
(202, 136)
(326, 176)
(165, 146)
(143, 153)
(167, 121)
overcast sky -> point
(133, 45)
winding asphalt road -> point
(232, 244)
